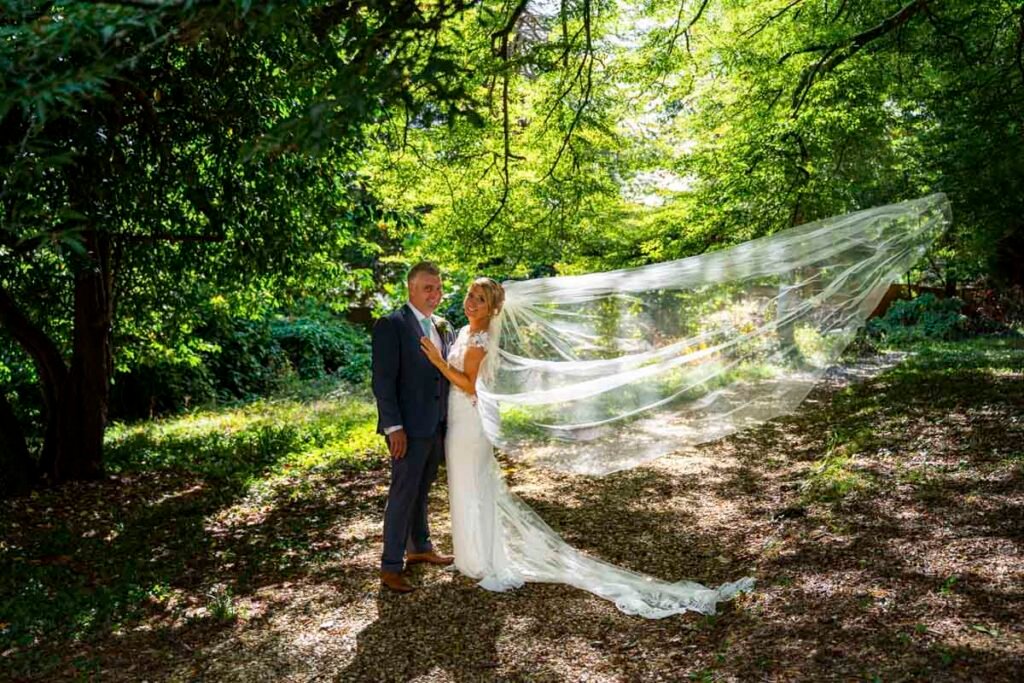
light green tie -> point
(425, 322)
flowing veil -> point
(603, 372)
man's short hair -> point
(423, 267)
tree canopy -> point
(618, 133)
(160, 154)
(164, 162)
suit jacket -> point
(409, 390)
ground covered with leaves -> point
(884, 522)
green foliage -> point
(832, 480)
(757, 117)
(229, 358)
(318, 344)
(237, 444)
(18, 380)
(222, 604)
(352, 139)
(519, 422)
(182, 152)
(241, 355)
(682, 385)
(920, 318)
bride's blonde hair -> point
(494, 294)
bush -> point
(230, 358)
(320, 344)
(18, 383)
(161, 386)
(243, 356)
(921, 318)
(224, 358)
(996, 310)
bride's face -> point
(475, 305)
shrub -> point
(320, 344)
(18, 383)
(924, 317)
(996, 310)
(230, 357)
(156, 387)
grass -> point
(835, 475)
(833, 479)
(249, 443)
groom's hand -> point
(397, 443)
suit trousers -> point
(405, 517)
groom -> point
(412, 404)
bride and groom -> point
(424, 381)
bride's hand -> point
(432, 352)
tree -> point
(797, 110)
(622, 134)
(154, 152)
(515, 192)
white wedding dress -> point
(499, 540)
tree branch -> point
(940, 27)
(169, 238)
(837, 53)
(507, 153)
(750, 33)
(803, 87)
(802, 51)
(502, 34)
(839, 11)
(563, 18)
(685, 31)
(584, 74)
(153, 4)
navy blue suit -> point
(410, 392)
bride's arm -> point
(465, 380)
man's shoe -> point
(430, 557)
(396, 582)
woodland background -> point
(204, 204)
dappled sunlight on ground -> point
(884, 523)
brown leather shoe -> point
(430, 557)
(396, 582)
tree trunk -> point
(76, 451)
(52, 374)
(17, 469)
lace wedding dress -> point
(499, 540)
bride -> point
(496, 537)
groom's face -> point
(425, 292)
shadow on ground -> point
(884, 522)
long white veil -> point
(602, 372)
